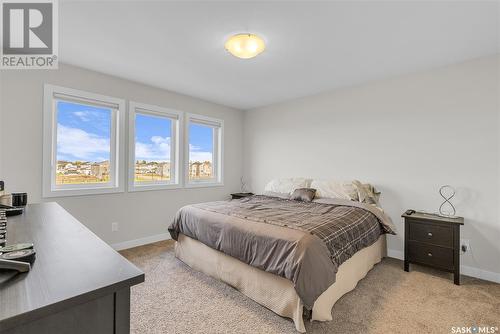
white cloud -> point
(82, 115)
(81, 145)
(77, 144)
(157, 150)
(196, 155)
(194, 148)
(200, 156)
(92, 116)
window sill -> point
(149, 187)
(81, 192)
(203, 184)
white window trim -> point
(175, 151)
(117, 141)
(218, 152)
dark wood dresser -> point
(77, 284)
(433, 241)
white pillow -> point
(287, 186)
(335, 189)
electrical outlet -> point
(114, 226)
(464, 245)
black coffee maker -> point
(12, 203)
(19, 199)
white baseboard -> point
(464, 270)
(480, 273)
(395, 254)
(142, 241)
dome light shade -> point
(245, 45)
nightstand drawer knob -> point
(429, 254)
(429, 234)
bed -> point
(287, 255)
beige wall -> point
(140, 214)
(407, 135)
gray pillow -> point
(303, 194)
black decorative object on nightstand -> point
(433, 241)
(240, 195)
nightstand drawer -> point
(432, 255)
(431, 233)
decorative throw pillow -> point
(303, 194)
(367, 193)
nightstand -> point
(433, 241)
(240, 195)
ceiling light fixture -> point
(245, 45)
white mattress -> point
(272, 291)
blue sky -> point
(84, 131)
(200, 143)
(152, 138)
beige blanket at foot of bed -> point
(272, 291)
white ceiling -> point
(311, 46)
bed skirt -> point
(275, 292)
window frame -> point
(218, 151)
(52, 94)
(175, 144)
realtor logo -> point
(29, 34)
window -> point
(153, 147)
(204, 151)
(84, 146)
(82, 142)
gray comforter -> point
(304, 242)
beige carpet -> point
(177, 299)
